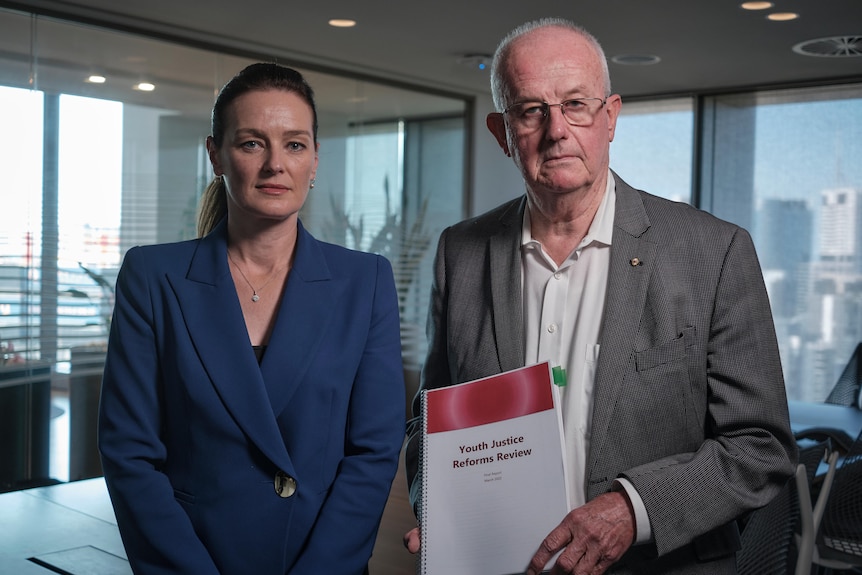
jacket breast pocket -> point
(667, 353)
(666, 389)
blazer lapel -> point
(303, 319)
(627, 287)
(214, 320)
(507, 309)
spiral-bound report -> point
(493, 472)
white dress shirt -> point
(563, 308)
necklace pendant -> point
(255, 297)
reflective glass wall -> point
(103, 149)
(653, 147)
(784, 164)
(96, 160)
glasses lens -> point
(579, 112)
(529, 114)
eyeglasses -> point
(577, 112)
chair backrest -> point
(846, 389)
(768, 543)
(840, 534)
(768, 536)
(812, 456)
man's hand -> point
(595, 536)
(412, 541)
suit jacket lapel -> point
(627, 288)
(506, 297)
(303, 319)
(213, 317)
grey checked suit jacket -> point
(689, 401)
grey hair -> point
(499, 88)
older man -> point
(675, 415)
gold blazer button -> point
(285, 485)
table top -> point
(68, 525)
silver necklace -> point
(254, 296)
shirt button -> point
(557, 275)
(552, 328)
(285, 485)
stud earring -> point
(311, 185)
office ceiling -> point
(708, 46)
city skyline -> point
(800, 151)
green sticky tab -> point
(559, 376)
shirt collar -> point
(602, 227)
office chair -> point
(778, 538)
(846, 389)
(810, 459)
(838, 514)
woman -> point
(253, 396)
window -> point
(93, 168)
(97, 165)
(652, 147)
(784, 164)
(403, 185)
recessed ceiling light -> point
(756, 5)
(342, 23)
(145, 86)
(636, 59)
(96, 79)
(782, 16)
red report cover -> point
(493, 472)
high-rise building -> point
(784, 239)
(783, 232)
(835, 297)
(841, 228)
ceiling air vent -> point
(834, 47)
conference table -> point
(62, 528)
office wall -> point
(495, 177)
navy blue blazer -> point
(193, 432)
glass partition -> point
(104, 149)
